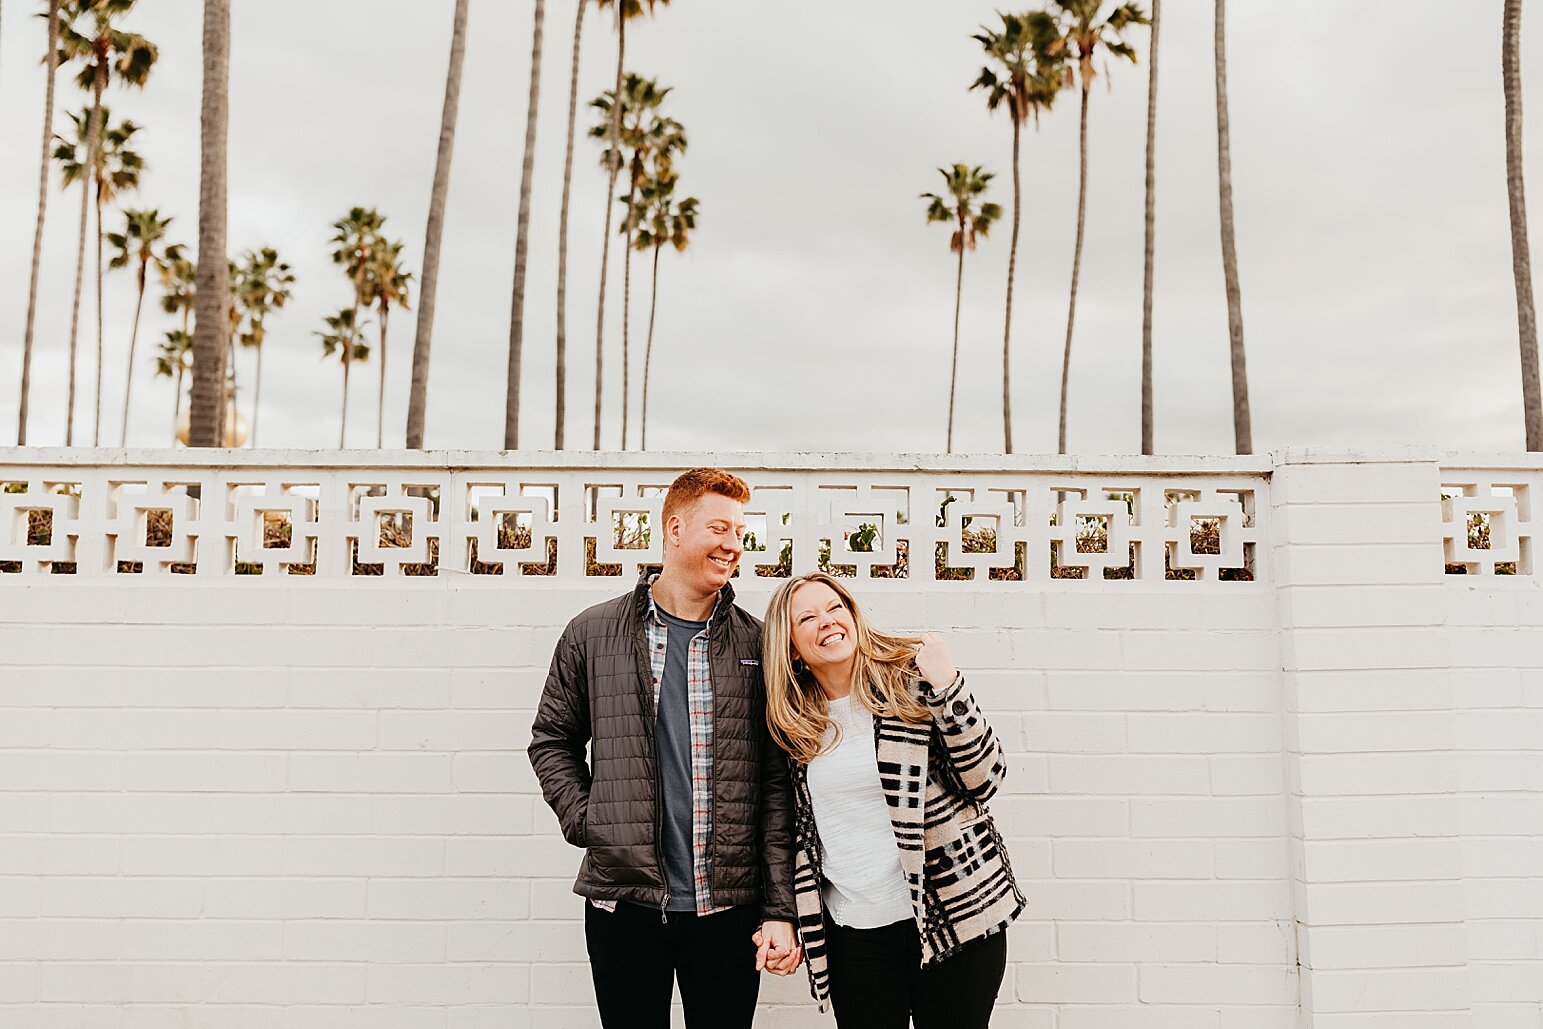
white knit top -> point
(864, 887)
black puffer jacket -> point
(600, 691)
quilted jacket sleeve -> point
(972, 749)
(559, 735)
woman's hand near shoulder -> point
(934, 663)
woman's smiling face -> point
(822, 631)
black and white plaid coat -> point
(937, 777)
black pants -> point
(876, 981)
(636, 958)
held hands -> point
(934, 663)
(777, 949)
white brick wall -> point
(1310, 801)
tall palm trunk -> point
(626, 301)
(87, 182)
(648, 349)
(211, 306)
(37, 233)
(1071, 308)
(96, 420)
(1007, 326)
(613, 161)
(380, 400)
(522, 243)
(257, 394)
(1150, 239)
(348, 345)
(1521, 259)
(128, 377)
(1242, 425)
(560, 415)
(953, 373)
(176, 404)
(418, 392)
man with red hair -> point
(684, 808)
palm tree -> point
(52, 62)
(626, 10)
(1149, 250)
(173, 357)
(261, 285)
(418, 392)
(1521, 258)
(140, 242)
(1082, 33)
(345, 336)
(207, 420)
(1242, 424)
(106, 54)
(659, 220)
(648, 135)
(1024, 82)
(116, 169)
(521, 243)
(965, 185)
(388, 285)
(561, 407)
(357, 236)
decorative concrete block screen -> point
(1275, 726)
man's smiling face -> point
(703, 544)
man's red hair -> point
(689, 487)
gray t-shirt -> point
(672, 732)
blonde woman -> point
(903, 884)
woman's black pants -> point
(876, 981)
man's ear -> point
(672, 530)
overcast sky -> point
(814, 307)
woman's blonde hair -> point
(797, 711)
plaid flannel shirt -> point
(699, 703)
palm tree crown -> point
(964, 186)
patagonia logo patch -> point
(749, 661)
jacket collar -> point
(643, 599)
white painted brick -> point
(1067, 732)
(1214, 901)
(1385, 946)
(370, 772)
(1202, 652)
(449, 898)
(296, 730)
(375, 941)
(453, 730)
(1120, 774)
(1127, 691)
(201, 855)
(1251, 775)
(202, 939)
(1145, 1016)
(1133, 859)
(1065, 983)
(1257, 943)
(395, 856)
(1361, 774)
(286, 983)
(1385, 860)
(1064, 816)
(1231, 817)
(537, 942)
(81, 897)
(1375, 903)
(1349, 818)
(1062, 899)
(1412, 989)
(1121, 942)
(284, 898)
(196, 772)
(1349, 732)
(1264, 858)
(1208, 733)
(1402, 689)
(1213, 984)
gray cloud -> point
(813, 310)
